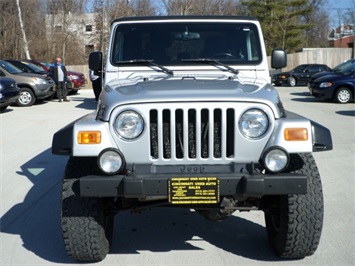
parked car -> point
(204, 133)
(300, 75)
(9, 92)
(77, 79)
(27, 67)
(32, 86)
(336, 69)
(339, 87)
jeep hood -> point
(188, 89)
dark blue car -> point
(9, 92)
(336, 69)
(338, 86)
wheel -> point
(292, 81)
(27, 97)
(343, 95)
(294, 222)
(87, 224)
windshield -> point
(172, 43)
(34, 67)
(9, 67)
(348, 70)
(343, 66)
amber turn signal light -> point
(296, 134)
(89, 137)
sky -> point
(341, 3)
(338, 7)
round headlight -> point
(275, 159)
(129, 125)
(111, 161)
(253, 123)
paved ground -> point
(30, 191)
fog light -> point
(111, 161)
(275, 159)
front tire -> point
(343, 95)
(87, 225)
(27, 97)
(294, 222)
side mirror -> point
(278, 59)
(95, 61)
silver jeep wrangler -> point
(188, 118)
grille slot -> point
(192, 133)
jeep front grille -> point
(194, 133)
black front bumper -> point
(152, 181)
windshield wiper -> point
(213, 62)
(147, 62)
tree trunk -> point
(25, 43)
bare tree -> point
(64, 18)
(25, 43)
(63, 22)
(317, 35)
(8, 29)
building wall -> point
(344, 42)
(82, 26)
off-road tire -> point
(294, 222)
(87, 225)
(343, 95)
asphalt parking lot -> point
(31, 183)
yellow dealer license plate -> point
(193, 190)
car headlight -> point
(325, 85)
(129, 125)
(111, 161)
(1, 87)
(39, 80)
(275, 159)
(253, 123)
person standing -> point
(58, 72)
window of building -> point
(89, 48)
(58, 28)
(88, 28)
